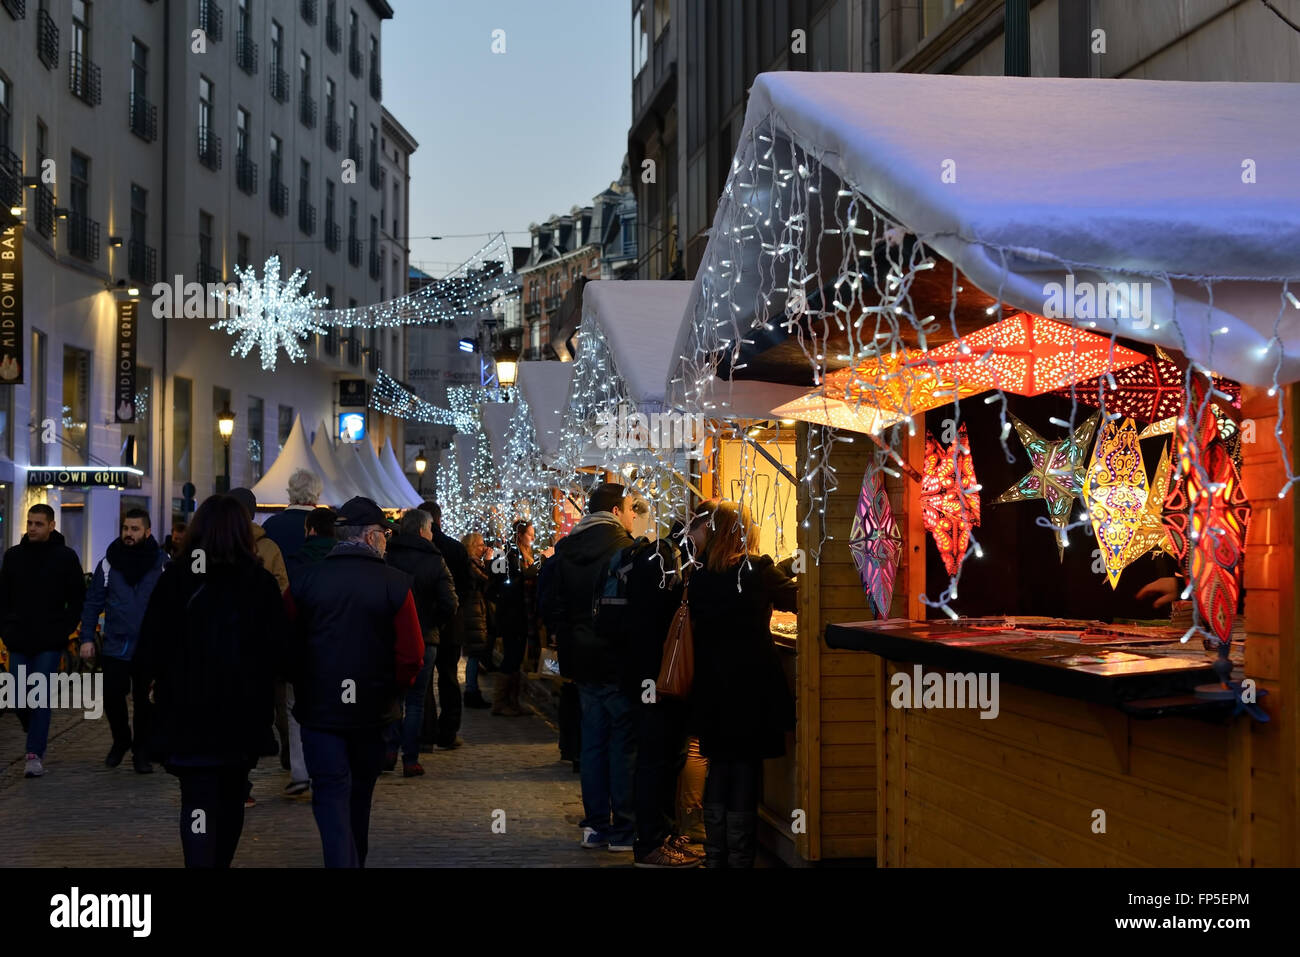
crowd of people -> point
(333, 639)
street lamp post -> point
(421, 463)
(507, 363)
(226, 426)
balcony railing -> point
(308, 8)
(307, 110)
(47, 40)
(333, 34)
(333, 134)
(245, 53)
(374, 172)
(83, 79)
(279, 84)
(45, 221)
(332, 236)
(306, 217)
(16, 8)
(83, 237)
(245, 173)
(354, 251)
(11, 178)
(354, 61)
(553, 303)
(141, 262)
(354, 153)
(279, 198)
(143, 118)
(210, 19)
(376, 264)
(209, 148)
(206, 272)
(532, 309)
(376, 85)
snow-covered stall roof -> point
(1189, 187)
(340, 478)
(496, 423)
(545, 386)
(272, 488)
(388, 462)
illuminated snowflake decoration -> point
(268, 313)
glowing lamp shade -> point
(875, 394)
(226, 423)
(1115, 492)
(507, 372)
(421, 463)
(876, 543)
(950, 501)
(1151, 532)
(1056, 474)
(1030, 355)
(1151, 391)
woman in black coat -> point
(213, 640)
(516, 616)
(741, 705)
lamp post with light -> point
(507, 363)
(226, 426)
(421, 463)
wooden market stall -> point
(849, 214)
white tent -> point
(389, 496)
(1186, 189)
(297, 454)
(496, 423)
(340, 478)
(350, 463)
(388, 461)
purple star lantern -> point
(875, 543)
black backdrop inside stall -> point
(1020, 572)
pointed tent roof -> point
(392, 496)
(350, 465)
(496, 423)
(545, 387)
(331, 466)
(272, 488)
(388, 462)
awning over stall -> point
(272, 488)
(1043, 192)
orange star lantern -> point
(1030, 355)
(950, 497)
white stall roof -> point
(545, 387)
(1174, 183)
(641, 320)
(330, 462)
(393, 469)
(272, 488)
(384, 494)
(496, 423)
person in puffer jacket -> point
(120, 588)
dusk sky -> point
(505, 139)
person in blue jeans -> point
(591, 660)
(42, 589)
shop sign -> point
(11, 305)
(84, 478)
(124, 361)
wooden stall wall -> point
(836, 736)
(1025, 788)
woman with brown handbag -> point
(741, 704)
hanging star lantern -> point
(1206, 514)
(271, 314)
(1115, 493)
(1057, 473)
(1029, 355)
(1149, 391)
(1151, 532)
(950, 500)
(876, 543)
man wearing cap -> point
(357, 647)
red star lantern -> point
(1206, 513)
(950, 498)
(1030, 355)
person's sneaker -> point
(620, 845)
(412, 770)
(475, 699)
(294, 788)
(250, 801)
(390, 761)
(116, 754)
(34, 768)
(684, 844)
(667, 855)
(591, 838)
(142, 765)
(459, 742)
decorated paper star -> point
(1151, 531)
(269, 313)
(1057, 473)
(950, 500)
(1115, 493)
(876, 543)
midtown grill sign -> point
(84, 478)
(124, 362)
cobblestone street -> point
(84, 814)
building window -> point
(207, 272)
(220, 402)
(36, 454)
(139, 70)
(256, 409)
(640, 39)
(243, 254)
(285, 426)
(182, 429)
(76, 406)
(142, 427)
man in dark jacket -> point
(41, 592)
(120, 588)
(592, 662)
(358, 648)
(447, 718)
(412, 550)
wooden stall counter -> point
(1058, 762)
